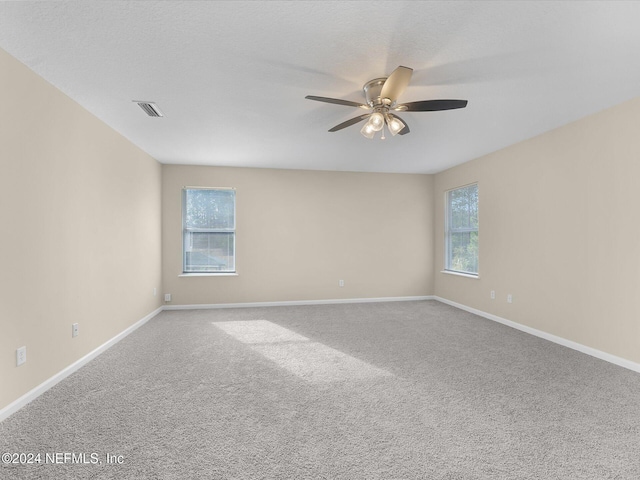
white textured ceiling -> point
(231, 77)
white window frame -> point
(186, 230)
(448, 230)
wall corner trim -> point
(61, 375)
(607, 357)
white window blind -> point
(208, 230)
(461, 230)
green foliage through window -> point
(462, 230)
(208, 226)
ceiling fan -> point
(382, 96)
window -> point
(208, 230)
(461, 230)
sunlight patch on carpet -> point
(259, 331)
(316, 362)
(295, 353)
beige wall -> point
(299, 232)
(79, 230)
(560, 231)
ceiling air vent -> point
(150, 108)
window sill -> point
(209, 274)
(460, 274)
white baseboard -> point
(622, 362)
(47, 384)
(297, 302)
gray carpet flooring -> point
(398, 390)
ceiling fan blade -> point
(405, 130)
(431, 105)
(337, 101)
(396, 83)
(350, 122)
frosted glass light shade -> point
(376, 121)
(368, 131)
(395, 125)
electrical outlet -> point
(493, 294)
(74, 330)
(21, 356)
(155, 291)
(341, 283)
(509, 298)
(167, 297)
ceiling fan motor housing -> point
(372, 90)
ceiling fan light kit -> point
(381, 95)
